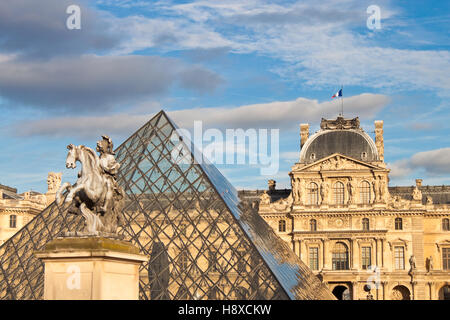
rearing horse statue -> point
(95, 195)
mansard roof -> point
(343, 136)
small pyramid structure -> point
(201, 241)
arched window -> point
(338, 191)
(313, 225)
(313, 193)
(444, 293)
(282, 226)
(340, 256)
(13, 221)
(365, 224)
(445, 224)
(364, 192)
(398, 224)
(400, 293)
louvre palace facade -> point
(361, 237)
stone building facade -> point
(16, 210)
(364, 239)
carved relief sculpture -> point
(379, 142)
(376, 189)
(265, 198)
(340, 123)
(95, 195)
(351, 191)
(417, 194)
(53, 182)
(412, 263)
(383, 188)
(300, 190)
(430, 264)
(296, 192)
(324, 191)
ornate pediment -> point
(338, 162)
(398, 241)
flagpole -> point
(342, 102)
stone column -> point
(413, 290)
(355, 290)
(355, 253)
(377, 253)
(326, 262)
(383, 284)
(431, 288)
(91, 268)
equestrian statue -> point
(95, 195)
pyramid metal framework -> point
(202, 242)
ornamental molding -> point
(442, 244)
(398, 241)
(362, 241)
(337, 162)
(309, 241)
(340, 222)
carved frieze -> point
(339, 123)
(339, 222)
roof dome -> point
(339, 136)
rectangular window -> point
(366, 254)
(399, 258)
(12, 221)
(314, 258)
(446, 258)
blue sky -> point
(231, 64)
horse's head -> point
(71, 160)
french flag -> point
(337, 94)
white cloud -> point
(433, 163)
(278, 114)
(281, 114)
(316, 42)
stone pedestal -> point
(91, 268)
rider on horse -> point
(109, 167)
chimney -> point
(418, 183)
(379, 142)
(304, 133)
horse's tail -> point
(59, 194)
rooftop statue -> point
(95, 195)
(339, 123)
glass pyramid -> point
(202, 242)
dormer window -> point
(364, 155)
(313, 156)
